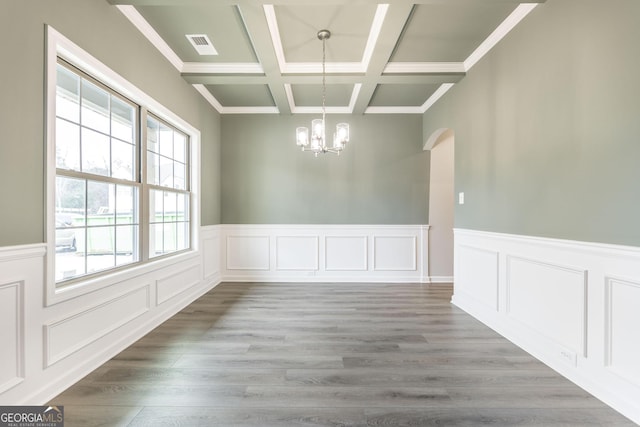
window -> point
(167, 179)
(109, 170)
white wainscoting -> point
(573, 305)
(11, 334)
(325, 253)
(47, 347)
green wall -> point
(106, 34)
(382, 177)
(547, 126)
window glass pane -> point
(126, 204)
(70, 198)
(183, 235)
(126, 242)
(179, 147)
(67, 145)
(122, 160)
(153, 168)
(166, 141)
(100, 248)
(67, 94)
(69, 231)
(170, 237)
(95, 152)
(122, 120)
(100, 203)
(95, 107)
(182, 208)
(69, 264)
(166, 172)
(152, 134)
(169, 206)
(179, 178)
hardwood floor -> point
(330, 355)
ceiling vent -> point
(202, 44)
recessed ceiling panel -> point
(349, 25)
(311, 95)
(402, 95)
(448, 33)
(222, 24)
(230, 95)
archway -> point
(441, 205)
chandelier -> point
(317, 143)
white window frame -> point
(58, 46)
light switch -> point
(461, 198)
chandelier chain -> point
(324, 86)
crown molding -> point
(435, 96)
(147, 30)
(222, 68)
(498, 34)
(424, 67)
(318, 109)
(209, 97)
(393, 110)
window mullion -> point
(145, 227)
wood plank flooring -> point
(327, 355)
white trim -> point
(222, 68)
(316, 68)
(435, 96)
(18, 324)
(10, 253)
(374, 33)
(612, 250)
(433, 138)
(354, 96)
(147, 30)
(272, 23)
(318, 109)
(424, 67)
(393, 110)
(250, 110)
(499, 33)
(444, 88)
(208, 97)
(289, 93)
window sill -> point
(57, 294)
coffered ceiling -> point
(385, 58)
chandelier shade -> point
(316, 141)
